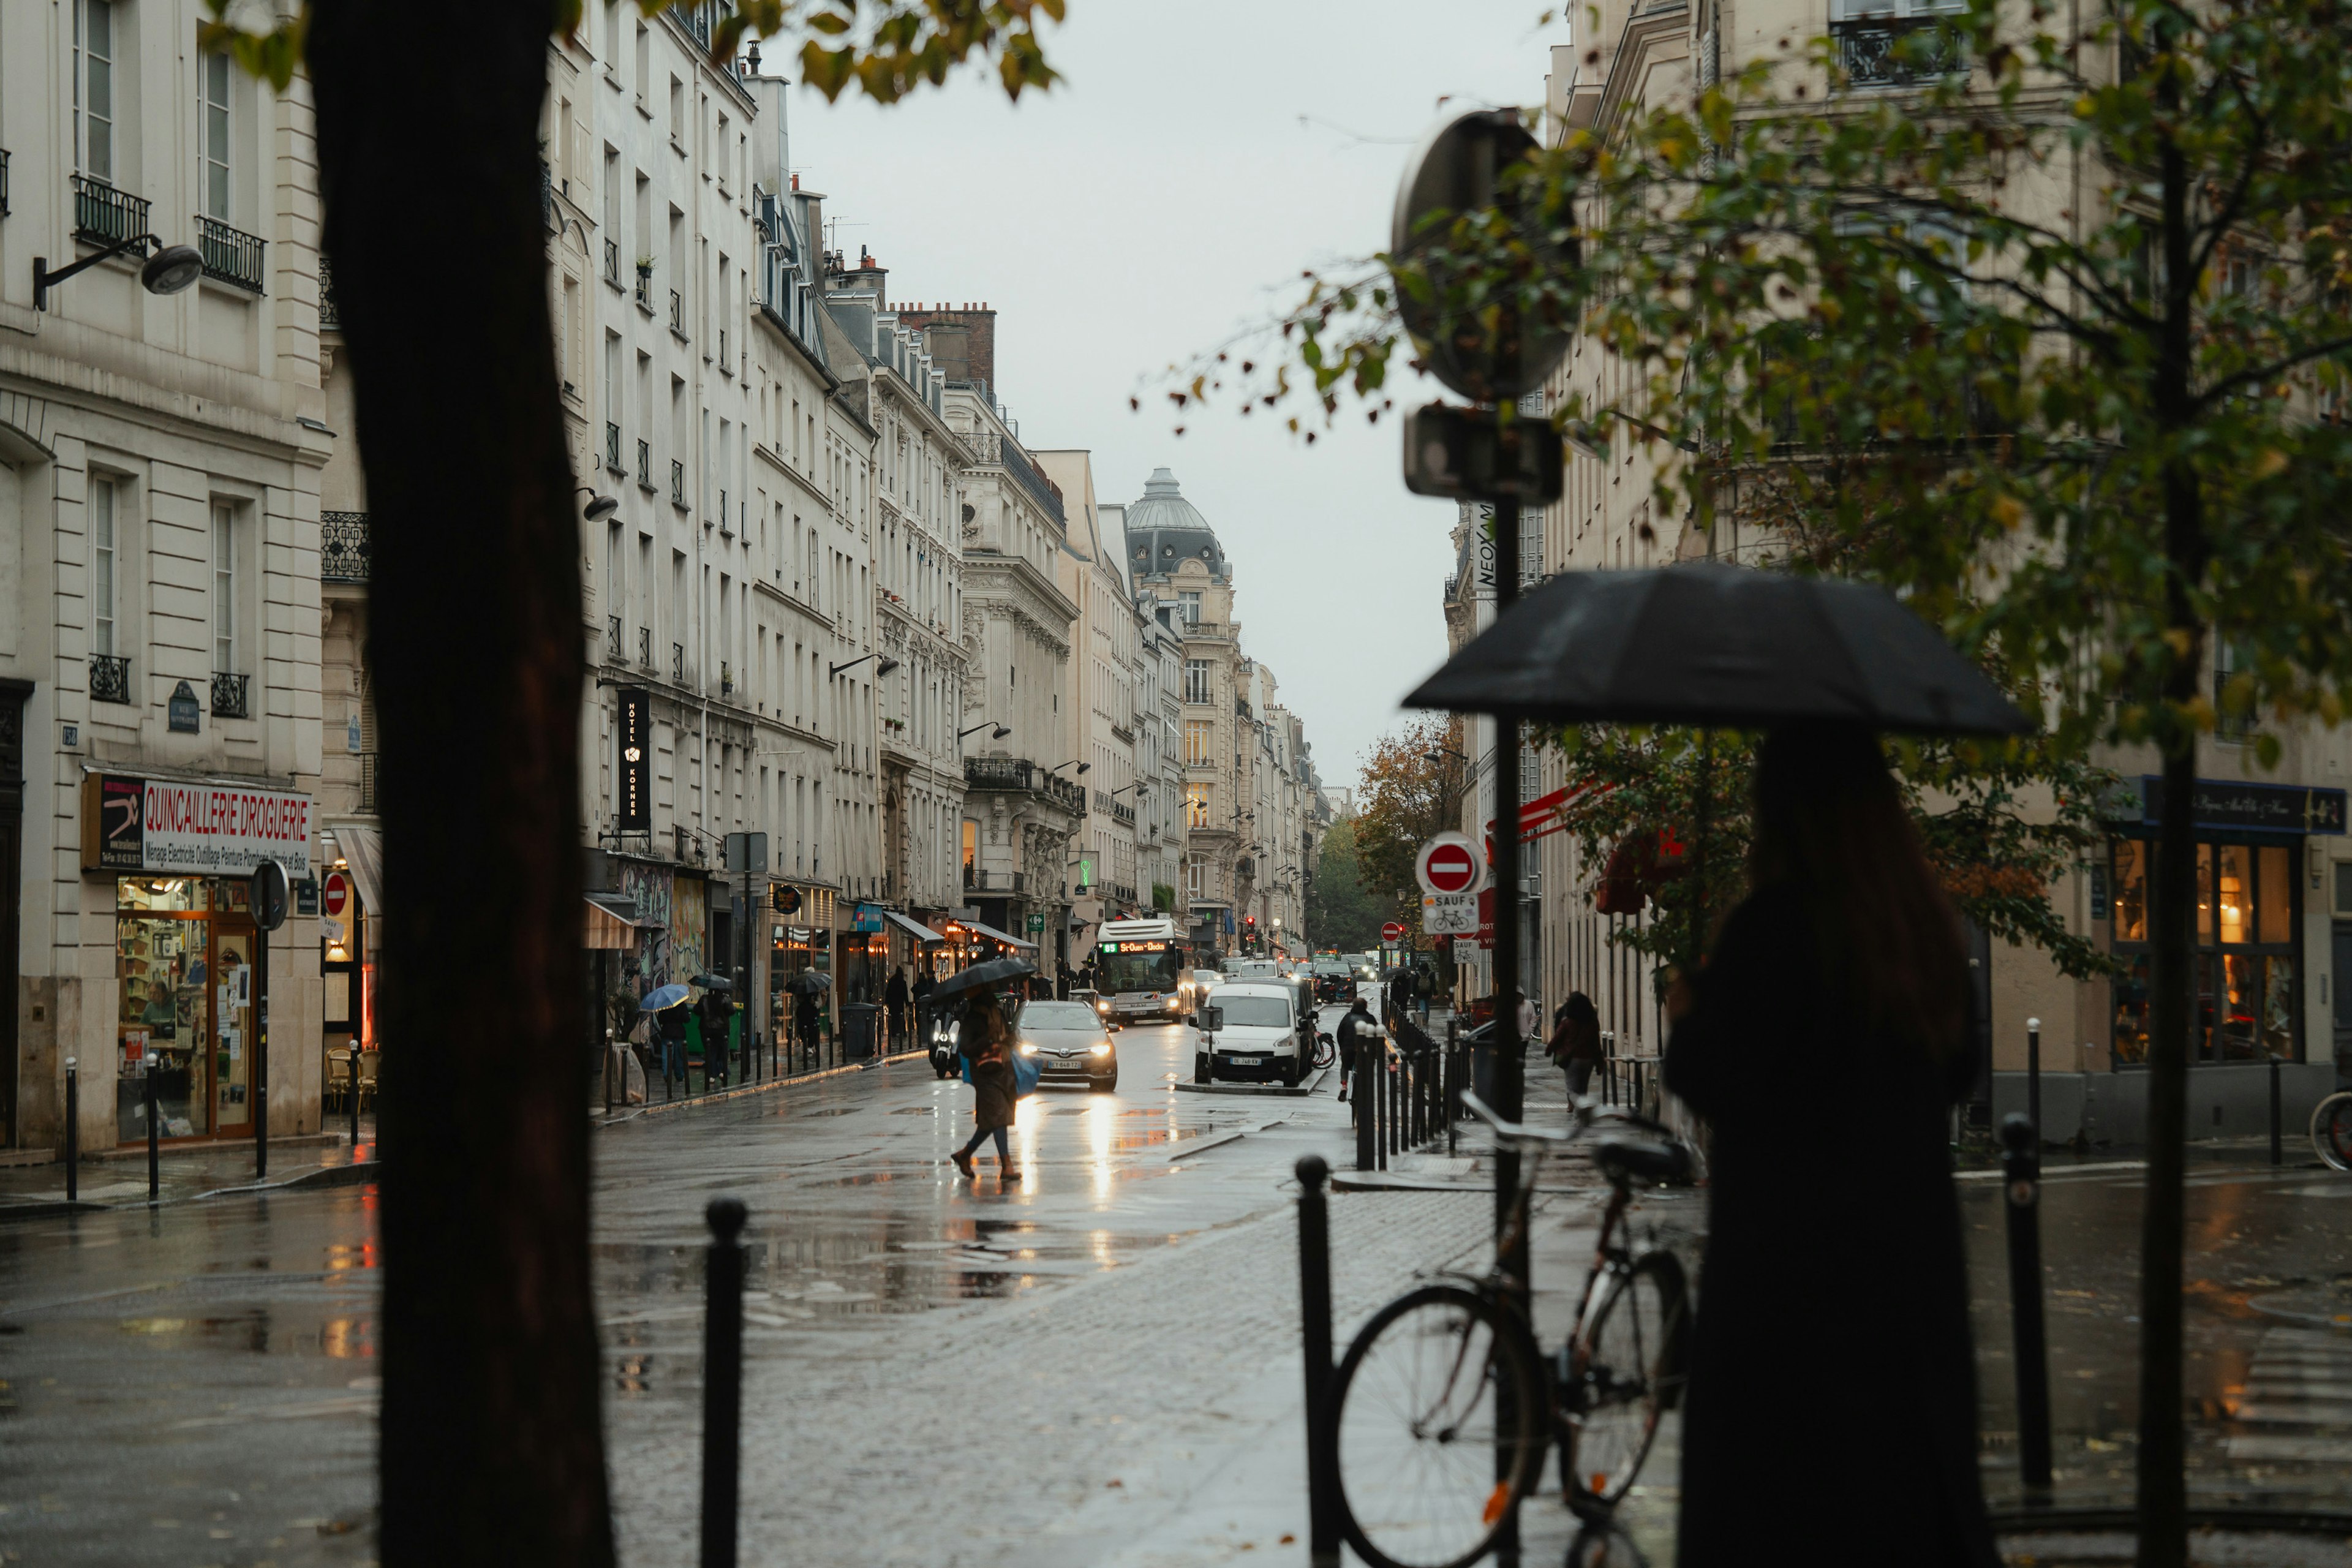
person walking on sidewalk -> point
(1837, 999)
(1575, 1043)
(805, 1024)
(1400, 991)
(986, 1043)
(894, 1004)
(1355, 1037)
(924, 985)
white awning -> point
(919, 931)
(361, 849)
(993, 935)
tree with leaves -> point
(2051, 337)
(1341, 909)
(492, 1441)
(1411, 788)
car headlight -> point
(1103, 1049)
(1102, 1006)
(1028, 1049)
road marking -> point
(2299, 1393)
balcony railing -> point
(330, 319)
(611, 261)
(646, 290)
(644, 647)
(343, 547)
(3, 182)
(1889, 51)
(726, 679)
(615, 641)
(104, 216)
(676, 482)
(613, 448)
(230, 255)
(1018, 773)
(979, 881)
(231, 695)
(677, 662)
(1122, 812)
(645, 464)
(110, 678)
(722, 352)
(678, 312)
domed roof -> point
(1163, 529)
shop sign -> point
(181, 711)
(1036, 924)
(306, 896)
(784, 900)
(633, 763)
(865, 918)
(200, 829)
(2260, 807)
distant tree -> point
(1340, 911)
(1410, 789)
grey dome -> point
(1163, 529)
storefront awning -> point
(916, 929)
(613, 924)
(993, 935)
(362, 849)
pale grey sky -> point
(1163, 197)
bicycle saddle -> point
(1647, 1160)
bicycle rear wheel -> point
(1438, 1422)
(2331, 1131)
(1625, 1368)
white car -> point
(1258, 1041)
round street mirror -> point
(1455, 172)
(171, 270)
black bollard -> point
(355, 1098)
(1315, 1335)
(2033, 1077)
(2278, 1149)
(154, 1138)
(722, 1382)
(2021, 1165)
(1366, 1102)
(73, 1132)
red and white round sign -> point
(1392, 932)
(333, 894)
(1447, 865)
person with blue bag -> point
(985, 1042)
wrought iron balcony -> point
(676, 482)
(1018, 773)
(231, 695)
(1122, 812)
(613, 448)
(726, 679)
(367, 781)
(230, 255)
(645, 464)
(678, 312)
(330, 319)
(1892, 51)
(616, 644)
(980, 881)
(104, 216)
(110, 678)
(646, 290)
(3, 182)
(677, 662)
(644, 647)
(722, 352)
(611, 261)
(343, 547)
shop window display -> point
(182, 959)
(2246, 1006)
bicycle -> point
(2331, 1130)
(1454, 1403)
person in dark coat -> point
(986, 1040)
(1825, 1042)
(1355, 1037)
(894, 1003)
(804, 1021)
(924, 986)
(1575, 1043)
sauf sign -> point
(201, 829)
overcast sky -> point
(1169, 192)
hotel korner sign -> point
(191, 830)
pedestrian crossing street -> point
(2298, 1401)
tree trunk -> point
(492, 1447)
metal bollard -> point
(73, 1131)
(2033, 1077)
(154, 1138)
(355, 1095)
(2021, 1165)
(1366, 1103)
(2278, 1151)
(722, 1382)
(1315, 1335)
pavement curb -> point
(1186, 1086)
(741, 1091)
(356, 1174)
(48, 1208)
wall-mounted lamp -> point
(172, 269)
(599, 506)
(885, 667)
(997, 734)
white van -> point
(1259, 1040)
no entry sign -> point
(1449, 863)
(1392, 932)
(336, 895)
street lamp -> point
(599, 506)
(171, 270)
(1057, 767)
(885, 667)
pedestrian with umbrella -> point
(807, 988)
(1835, 998)
(925, 981)
(984, 1039)
(667, 1006)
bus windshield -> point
(1146, 971)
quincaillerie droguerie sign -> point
(197, 829)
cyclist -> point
(1357, 1028)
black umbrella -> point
(810, 979)
(981, 976)
(714, 983)
(1719, 646)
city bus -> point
(1141, 967)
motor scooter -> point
(939, 1045)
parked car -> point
(1334, 981)
(1258, 1041)
(1069, 1043)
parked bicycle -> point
(1445, 1404)
(2331, 1130)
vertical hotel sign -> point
(197, 829)
(633, 763)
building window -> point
(1193, 881)
(213, 71)
(104, 567)
(1188, 606)
(224, 588)
(2247, 1002)
(1196, 681)
(94, 88)
(1196, 805)
(1200, 739)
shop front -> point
(179, 854)
(2248, 971)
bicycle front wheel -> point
(2331, 1131)
(1625, 1369)
(1438, 1421)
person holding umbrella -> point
(805, 1029)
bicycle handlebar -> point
(1518, 1134)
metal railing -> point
(678, 312)
(1018, 773)
(726, 679)
(104, 216)
(615, 641)
(676, 482)
(613, 448)
(110, 678)
(644, 647)
(979, 881)
(722, 352)
(645, 464)
(231, 695)
(230, 255)
(343, 547)
(677, 662)
(3, 182)
(331, 316)
(367, 781)
(1122, 812)
(1006, 453)
(611, 261)
(646, 290)
(1888, 51)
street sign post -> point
(267, 899)
(1449, 914)
(1449, 864)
